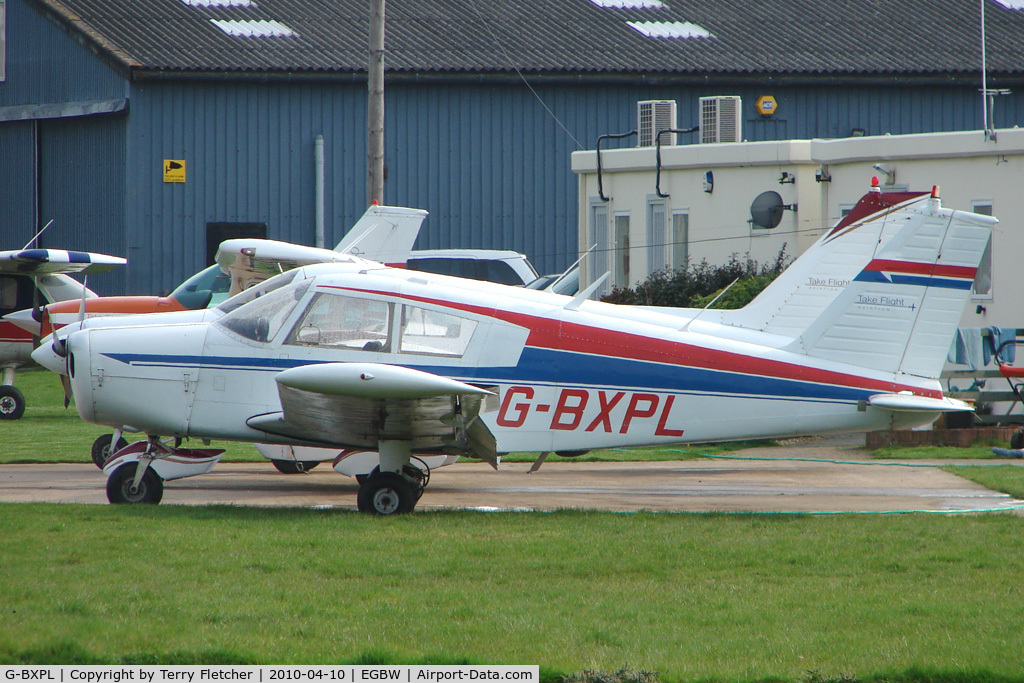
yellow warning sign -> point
(174, 170)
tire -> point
(150, 491)
(12, 403)
(101, 450)
(386, 493)
(294, 466)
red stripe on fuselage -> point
(915, 268)
(558, 335)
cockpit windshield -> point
(259, 290)
(205, 289)
(262, 318)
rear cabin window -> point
(434, 333)
(340, 321)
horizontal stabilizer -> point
(907, 402)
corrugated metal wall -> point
(81, 162)
(17, 185)
(491, 163)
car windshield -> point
(262, 289)
(206, 288)
(262, 318)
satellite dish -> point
(766, 210)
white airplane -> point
(31, 278)
(407, 364)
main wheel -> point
(119, 486)
(294, 466)
(101, 450)
(12, 403)
(387, 493)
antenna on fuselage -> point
(575, 263)
(686, 327)
(578, 300)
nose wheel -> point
(122, 489)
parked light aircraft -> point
(385, 359)
(34, 278)
(384, 233)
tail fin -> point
(900, 312)
(798, 296)
(384, 233)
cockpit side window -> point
(434, 333)
(261, 319)
(342, 321)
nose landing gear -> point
(136, 473)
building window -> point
(982, 288)
(621, 253)
(598, 258)
(657, 254)
(680, 239)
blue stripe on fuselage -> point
(563, 368)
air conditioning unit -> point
(652, 116)
(721, 119)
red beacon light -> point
(874, 184)
(935, 191)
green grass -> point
(692, 597)
(976, 452)
(1005, 478)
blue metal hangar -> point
(153, 129)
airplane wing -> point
(357, 405)
(52, 261)
(251, 261)
(384, 234)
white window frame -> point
(676, 262)
(620, 252)
(657, 235)
(985, 207)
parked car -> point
(491, 265)
(568, 285)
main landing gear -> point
(12, 401)
(396, 486)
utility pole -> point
(375, 106)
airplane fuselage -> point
(565, 378)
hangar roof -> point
(652, 38)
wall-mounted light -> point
(787, 178)
(823, 176)
(709, 182)
(890, 173)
